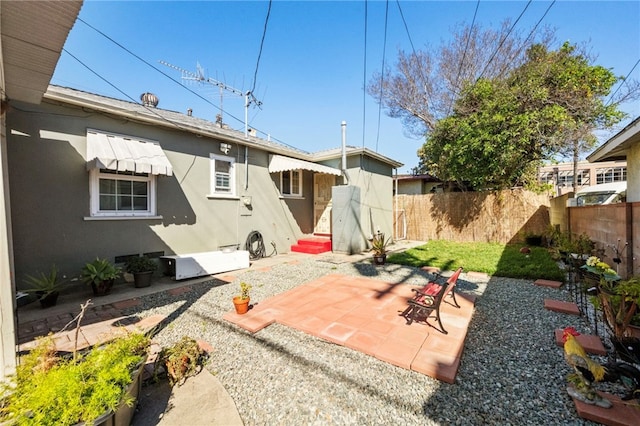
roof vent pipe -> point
(344, 152)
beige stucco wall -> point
(376, 193)
(633, 173)
(50, 199)
(7, 288)
(410, 187)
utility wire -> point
(364, 75)
(464, 55)
(148, 64)
(524, 43)
(264, 34)
(406, 28)
(623, 82)
(151, 110)
(503, 40)
(384, 49)
(164, 74)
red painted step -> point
(312, 245)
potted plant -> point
(45, 286)
(241, 301)
(618, 300)
(101, 274)
(183, 359)
(91, 388)
(142, 268)
(379, 248)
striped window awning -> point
(126, 154)
(280, 163)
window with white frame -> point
(115, 193)
(291, 183)
(223, 181)
(611, 174)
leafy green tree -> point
(503, 127)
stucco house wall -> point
(47, 154)
(373, 174)
(50, 195)
(410, 187)
(300, 208)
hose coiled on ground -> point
(255, 245)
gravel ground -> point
(512, 373)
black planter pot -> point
(627, 349)
(103, 288)
(142, 279)
(49, 299)
(379, 259)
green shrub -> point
(49, 390)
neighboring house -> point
(625, 145)
(416, 184)
(561, 175)
(96, 176)
(32, 35)
(616, 226)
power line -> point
(364, 75)
(151, 110)
(164, 74)
(264, 33)
(623, 82)
(503, 40)
(406, 28)
(151, 66)
(464, 54)
(524, 43)
(384, 49)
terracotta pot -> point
(242, 305)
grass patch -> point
(502, 260)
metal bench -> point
(429, 298)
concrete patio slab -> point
(364, 314)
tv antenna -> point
(199, 76)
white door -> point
(322, 184)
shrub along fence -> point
(492, 216)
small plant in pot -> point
(45, 286)
(379, 248)
(101, 274)
(142, 268)
(241, 301)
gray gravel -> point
(511, 372)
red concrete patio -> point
(364, 314)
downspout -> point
(246, 167)
(395, 199)
(344, 153)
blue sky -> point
(312, 70)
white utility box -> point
(182, 266)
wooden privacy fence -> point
(501, 216)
